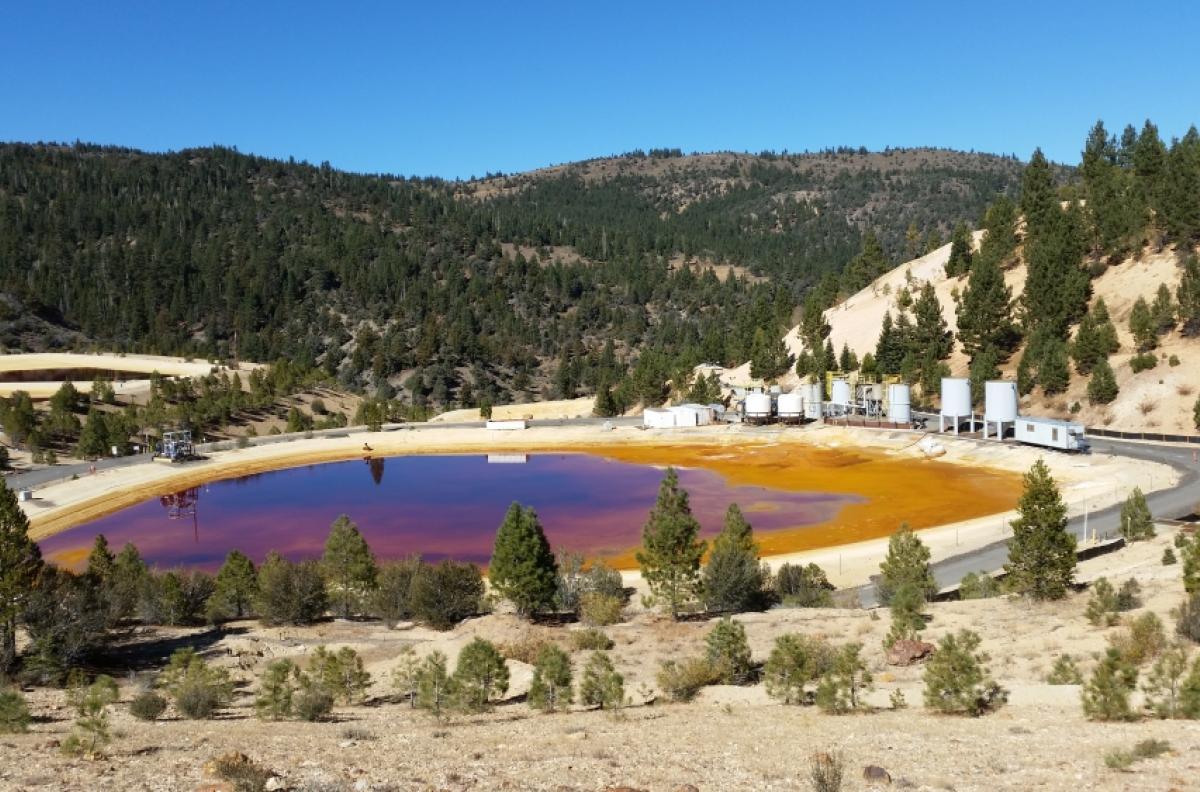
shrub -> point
(907, 620)
(312, 702)
(591, 640)
(728, 653)
(1130, 596)
(826, 772)
(525, 649)
(573, 583)
(551, 684)
(794, 662)
(1187, 617)
(1168, 557)
(600, 610)
(956, 679)
(1189, 550)
(290, 593)
(1142, 640)
(897, 701)
(445, 593)
(277, 691)
(147, 706)
(1064, 672)
(175, 598)
(14, 712)
(733, 578)
(1173, 361)
(406, 676)
(1189, 693)
(1146, 749)
(803, 586)
(340, 673)
(1102, 604)
(197, 689)
(1143, 362)
(90, 733)
(240, 771)
(601, 685)
(978, 585)
(682, 680)
(1164, 683)
(1105, 697)
(842, 685)
(480, 676)
(390, 599)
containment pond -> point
(593, 503)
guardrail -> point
(1154, 437)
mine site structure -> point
(176, 446)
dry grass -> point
(1147, 406)
(1184, 389)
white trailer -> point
(1051, 433)
(507, 425)
(657, 418)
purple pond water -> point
(435, 506)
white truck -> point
(1051, 433)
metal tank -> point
(758, 407)
(790, 406)
(899, 408)
(999, 405)
(840, 396)
(813, 396)
(956, 402)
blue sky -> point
(459, 89)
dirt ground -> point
(730, 738)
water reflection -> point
(376, 466)
(182, 506)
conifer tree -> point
(1000, 233)
(956, 679)
(930, 333)
(550, 688)
(523, 570)
(1041, 554)
(841, 687)
(984, 314)
(1102, 387)
(906, 563)
(236, 585)
(1181, 191)
(1137, 523)
(1106, 694)
(733, 578)
(1149, 169)
(348, 566)
(1188, 295)
(961, 252)
(100, 560)
(727, 652)
(480, 676)
(20, 563)
(602, 686)
(1039, 200)
(769, 357)
(1056, 284)
(1143, 326)
(670, 554)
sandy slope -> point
(1158, 400)
(730, 738)
(135, 364)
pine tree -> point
(985, 365)
(1106, 695)
(348, 566)
(550, 688)
(769, 358)
(930, 333)
(100, 560)
(1056, 284)
(1102, 387)
(1181, 191)
(956, 679)
(671, 552)
(1164, 686)
(601, 685)
(727, 652)
(984, 314)
(480, 676)
(20, 563)
(1054, 373)
(1137, 523)
(795, 662)
(733, 579)
(841, 688)
(1000, 233)
(236, 585)
(435, 689)
(959, 262)
(1188, 295)
(1143, 326)
(906, 563)
(1149, 169)
(523, 570)
(276, 691)
(890, 348)
(1041, 554)
(1039, 200)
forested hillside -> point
(561, 282)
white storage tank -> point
(813, 396)
(956, 402)
(899, 403)
(999, 405)
(840, 396)
(790, 406)
(758, 407)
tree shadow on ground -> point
(143, 653)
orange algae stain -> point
(923, 493)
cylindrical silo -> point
(999, 405)
(790, 406)
(956, 401)
(840, 396)
(758, 407)
(899, 403)
(813, 396)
